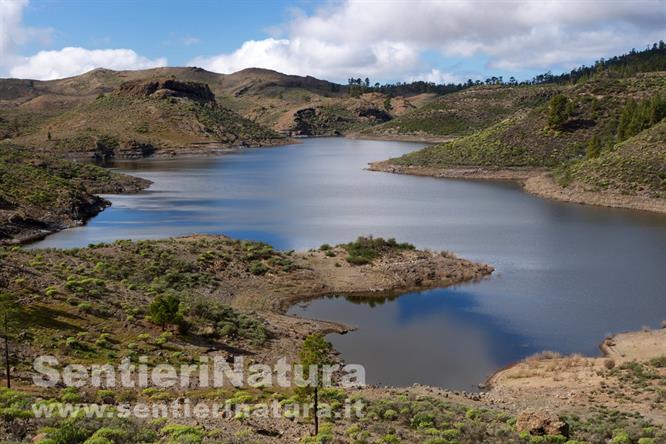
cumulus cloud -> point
(388, 38)
(46, 65)
(440, 77)
(13, 33)
(54, 64)
(306, 56)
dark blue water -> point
(566, 274)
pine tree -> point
(593, 149)
(9, 310)
(559, 110)
(166, 309)
(315, 352)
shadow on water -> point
(436, 337)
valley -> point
(173, 213)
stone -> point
(541, 423)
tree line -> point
(653, 58)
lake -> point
(566, 275)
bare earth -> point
(554, 383)
(545, 186)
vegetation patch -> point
(365, 249)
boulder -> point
(541, 423)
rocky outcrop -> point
(541, 423)
(199, 92)
(317, 122)
(106, 149)
(41, 195)
(374, 115)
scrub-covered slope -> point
(39, 195)
(140, 117)
(550, 133)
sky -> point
(387, 40)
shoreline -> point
(401, 138)
(34, 229)
(281, 306)
(544, 186)
(536, 181)
(553, 382)
(204, 149)
(29, 235)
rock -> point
(374, 114)
(541, 423)
(163, 88)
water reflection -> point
(566, 274)
(438, 337)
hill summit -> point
(167, 88)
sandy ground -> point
(555, 383)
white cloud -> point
(440, 77)
(10, 18)
(13, 33)
(46, 65)
(315, 57)
(387, 39)
(66, 62)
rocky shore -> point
(535, 181)
(41, 195)
(544, 186)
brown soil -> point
(574, 383)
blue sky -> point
(391, 40)
(157, 28)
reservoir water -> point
(566, 275)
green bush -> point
(258, 268)
(365, 249)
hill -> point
(40, 195)
(526, 139)
(605, 135)
(285, 103)
(636, 166)
(142, 116)
(464, 112)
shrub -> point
(258, 268)
(593, 149)
(68, 433)
(183, 434)
(106, 396)
(358, 260)
(108, 434)
(365, 249)
(659, 362)
(558, 111)
(9, 413)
